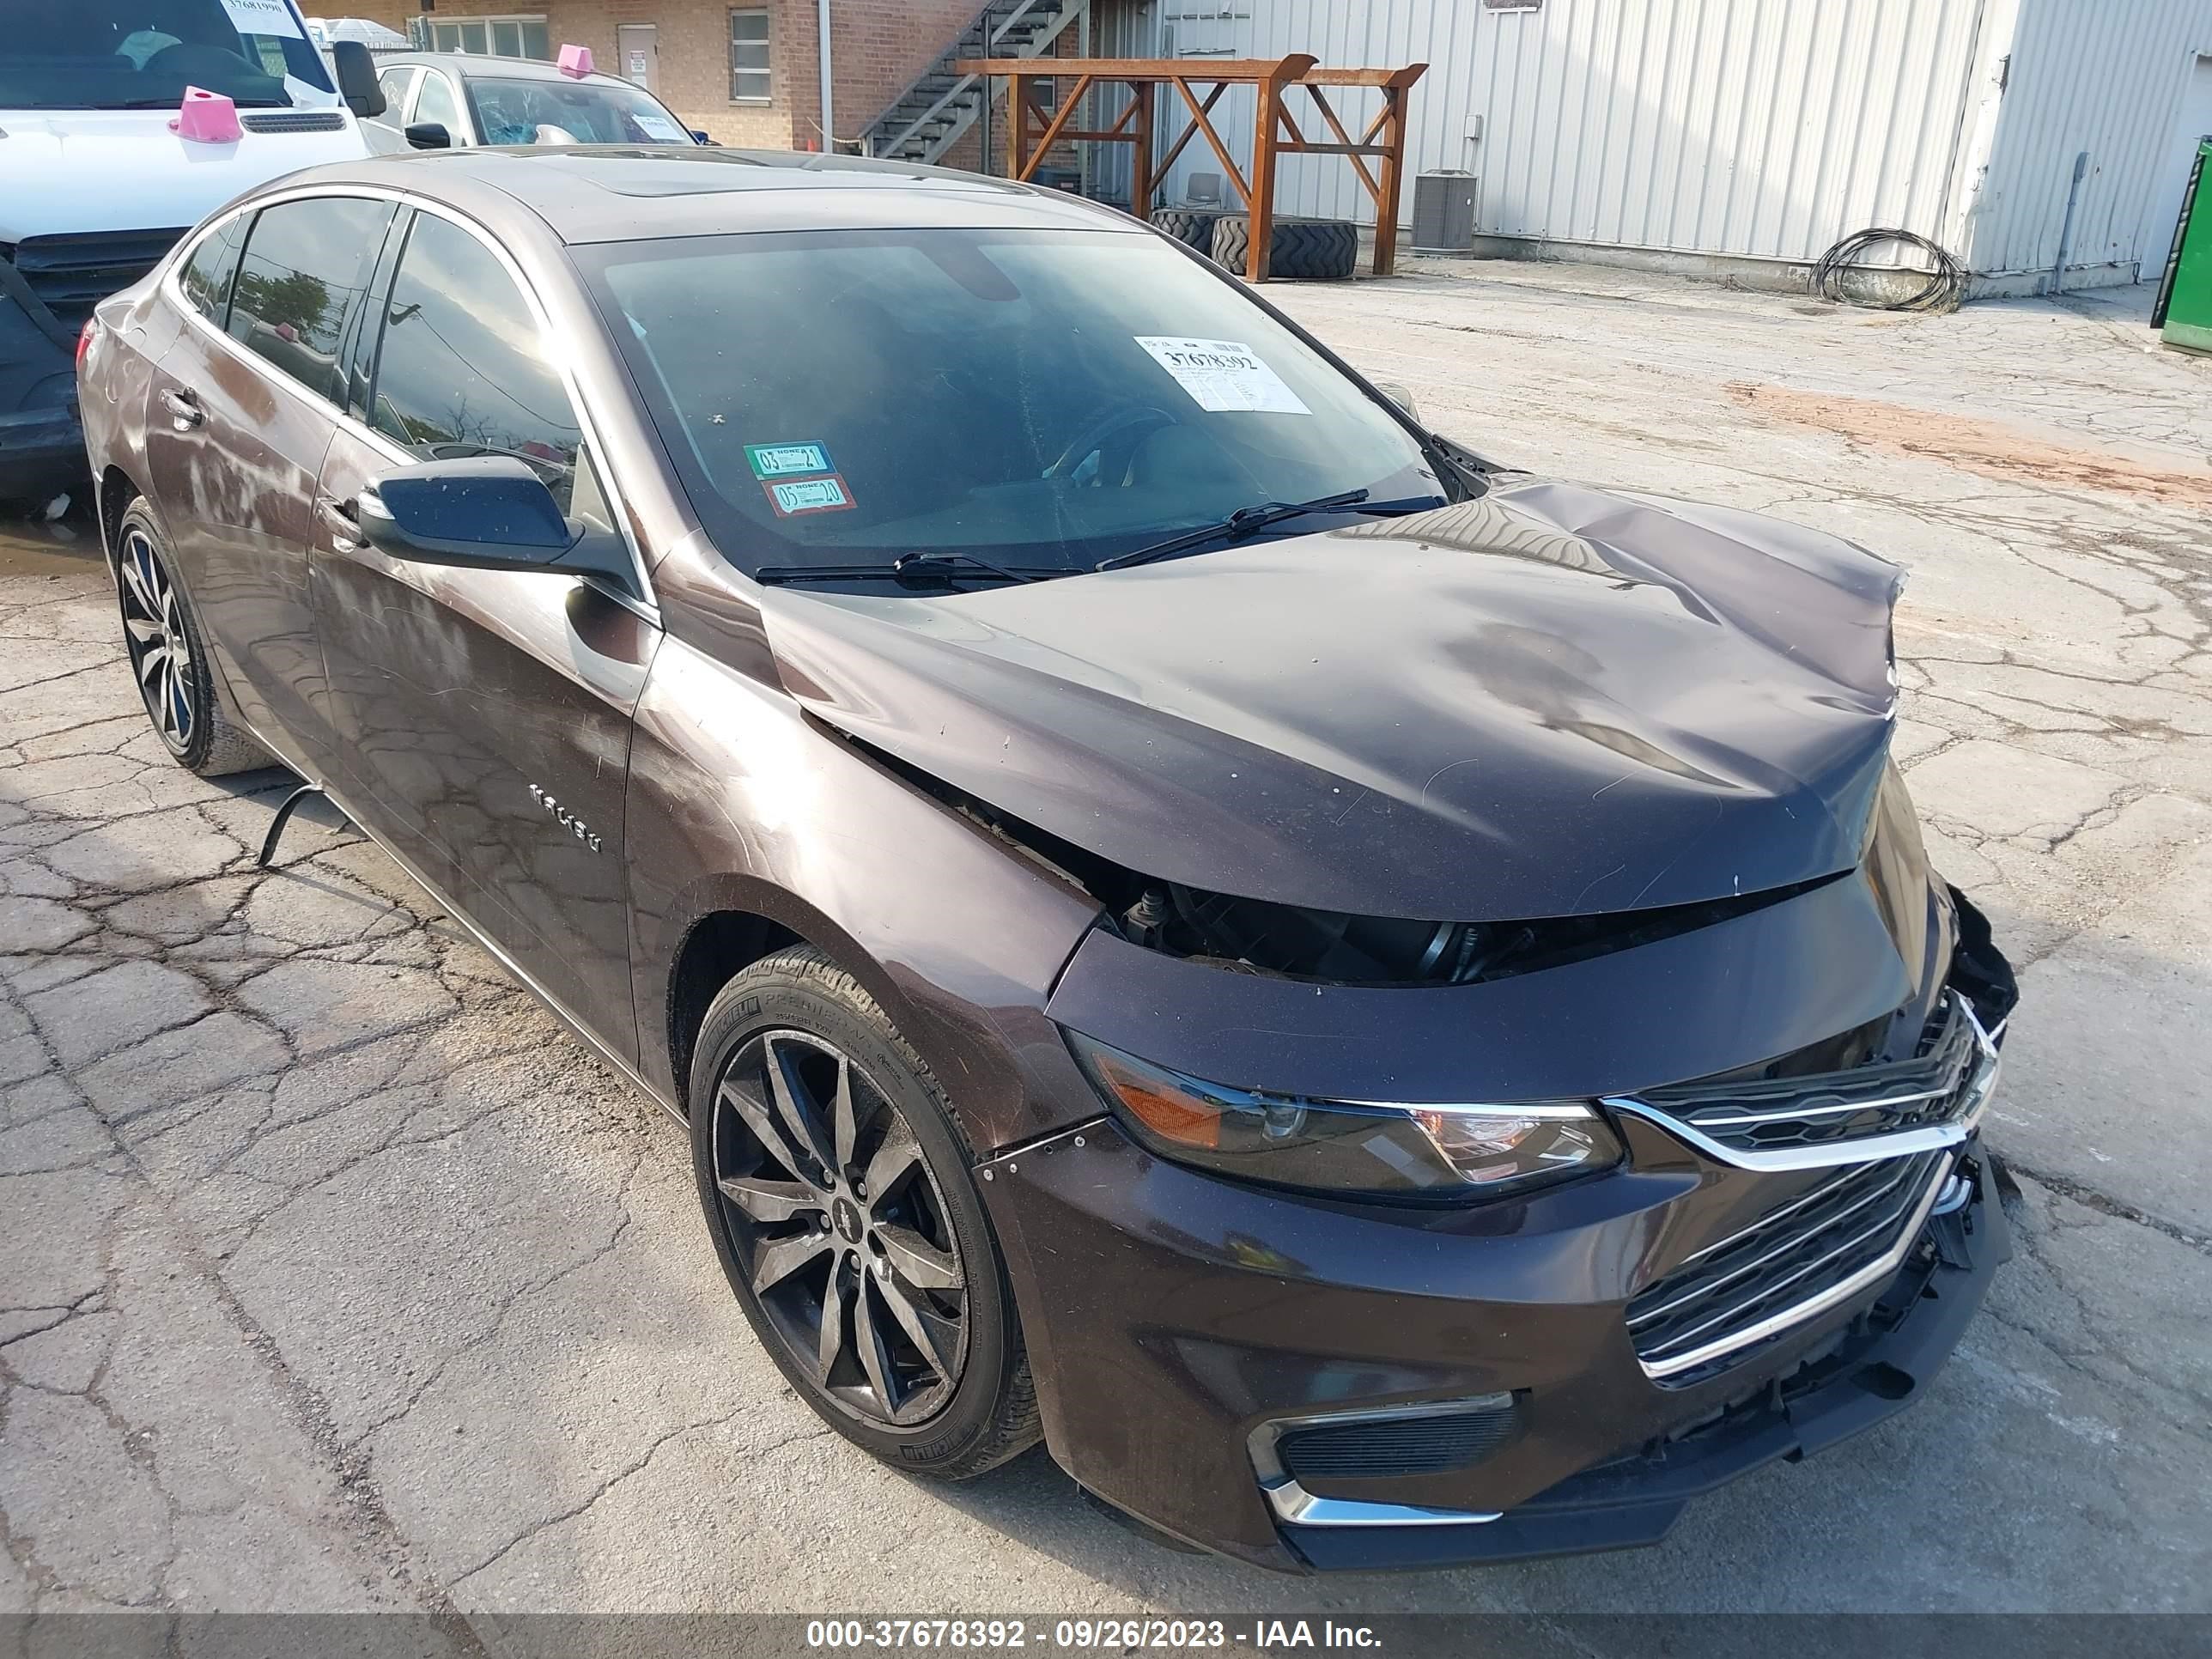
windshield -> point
(554, 112)
(1044, 398)
(141, 54)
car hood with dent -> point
(1548, 701)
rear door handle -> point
(184, 413)
(338, 519)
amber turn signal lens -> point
(1155, 1104)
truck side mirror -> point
(357, 83)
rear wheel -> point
(837, 1186)
(169, 657)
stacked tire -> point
(1193, 227)
(1319, 250)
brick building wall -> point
(878, 47)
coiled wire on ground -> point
(1944, 289)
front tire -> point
(169, 657)
(838, 1187)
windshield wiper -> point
(1245, 520)
(909, 570)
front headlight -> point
(1468, 1152)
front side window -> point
(207, 276)
(517, 112)
(300, 281)
(437, 103)
(394, 83)
(749, 56)
(141, 54)
(1042, 398)
(463, 369)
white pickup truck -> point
(97, 182)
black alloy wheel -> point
(169, 656)
(161, 657)
(840, 1188)
(840, 1226)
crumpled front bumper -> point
(1171, 1316)
(1876, 1371)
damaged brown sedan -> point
(1391, 1011)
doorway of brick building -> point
(637, 48)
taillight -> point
(84, 339)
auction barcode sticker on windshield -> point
(1223, 374)
(262, 17)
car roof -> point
(476, 65)
(612, 193)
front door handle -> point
(184, 413)
(338, 519)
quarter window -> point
(464, 370)
(300, 281)
(209, 273)
(749, 56)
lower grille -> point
(1380, 1449)
(1820, 1249)
(71, 274)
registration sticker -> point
(791, 497)
(788, 460)
(1223, 375)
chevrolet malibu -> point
(1390, 1010)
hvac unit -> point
(1444, 211)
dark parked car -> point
(1392, 1012)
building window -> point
(749, 81)
(492, 37)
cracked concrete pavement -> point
(333, 1274)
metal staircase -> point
(925, 120)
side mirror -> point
(430, 135)
(357, 83)
(1397, 395)
(700, 137)
(483, 512)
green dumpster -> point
(2189, 296)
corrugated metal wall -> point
(2107, 80)
(1757, 127)
(1760, 128)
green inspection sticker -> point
(788, 460)
(799, 495)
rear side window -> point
(463, 369)
(208, 274)
(300, 282)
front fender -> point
(739, 803)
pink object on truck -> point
(206, 118)
(576, 60)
